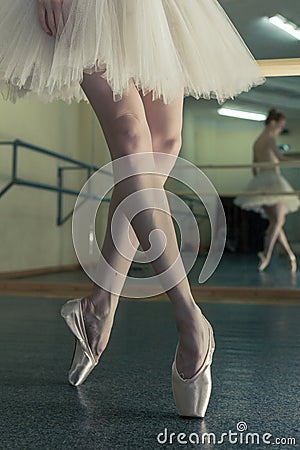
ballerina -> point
(133, 61)
(273, 207)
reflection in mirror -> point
(223, 147)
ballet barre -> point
(264, 165)
(284, 67)
(191, 194)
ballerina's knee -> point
(167, 144)
(130, 134)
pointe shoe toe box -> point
(192, 395)
(83, 360)
(82, 365)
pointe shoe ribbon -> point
(83, 361)
(192, 395)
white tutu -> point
(268, 181)
(165, 46)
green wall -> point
(30, 237)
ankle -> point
(101, 306)
(186, 317)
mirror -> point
(222, 148)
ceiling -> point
(265, 41)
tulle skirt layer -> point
(168, 47)
(266, 183)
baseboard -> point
(201, 294)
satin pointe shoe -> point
(263, 261)
(293, 264)
(192, 395)
(83, 361)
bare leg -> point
(126, 130)
(276, 216)
(285, 244)
(165, 124)
(282, 239)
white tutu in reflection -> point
(266, 182)
(165, 46)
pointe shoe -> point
(192, 395)
(83, 361)
(263, 261)
(293, 264)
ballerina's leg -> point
(127, 132)
(285, 244)
(276, 217)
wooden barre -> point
(250, 165)
(265, 164)
(284, 67)
(235, 194)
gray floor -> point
(127, 400)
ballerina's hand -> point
(53, 15)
